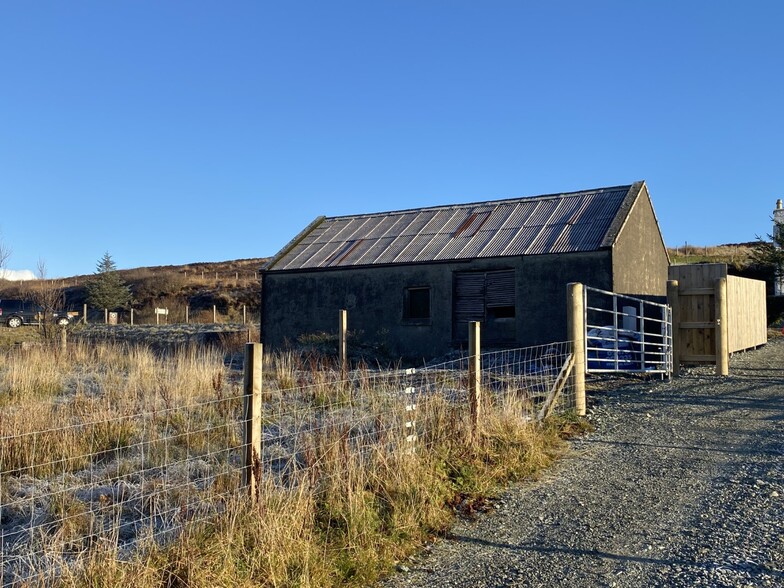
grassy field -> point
(737, 255)
(12, 337)
(119, 466)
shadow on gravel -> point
(690, 448)
(765, 397)
(749, 567)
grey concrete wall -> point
(297, 303)
(640, 262)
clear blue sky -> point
(176, 132)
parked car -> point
(16, 313)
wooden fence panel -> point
(747, 315)
(697, 329)
(746, 312)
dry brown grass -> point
(345, 518)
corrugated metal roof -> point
(560, 223)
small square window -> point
(416, 304)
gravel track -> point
(681, 484)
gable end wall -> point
(640, 259)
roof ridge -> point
(624, 187)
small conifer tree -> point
(107, 288)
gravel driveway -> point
(681, 484)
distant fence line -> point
(161, 315)
(203, 276)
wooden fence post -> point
(106, 316)
(244, 315)
(575, 319)
(214, 314)
(475, 375)
(251, 438)
(187, 312)
(722, 333)
(132, 317)
(63, 340)
(675, 305)
(84, 314)
(342, 347)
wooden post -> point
(236, 276)
(63, 340)
(475, 375)
(342, 329)
(106, 316)
(675, 305)
(84, 314)
(251, 439)
(187, 312)
(575, 320)
(131, 317)
(214, 314)
(722, 333)
(244, 315)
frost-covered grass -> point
(121, 465)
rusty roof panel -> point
(578, 221)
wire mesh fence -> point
(126, 459)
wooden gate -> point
(714, 314)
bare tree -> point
(46, 294)
(5, 253)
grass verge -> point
(344, 519)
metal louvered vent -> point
(487, 297)
(500, 288)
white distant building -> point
(778, 232)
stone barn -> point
(412, 280)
